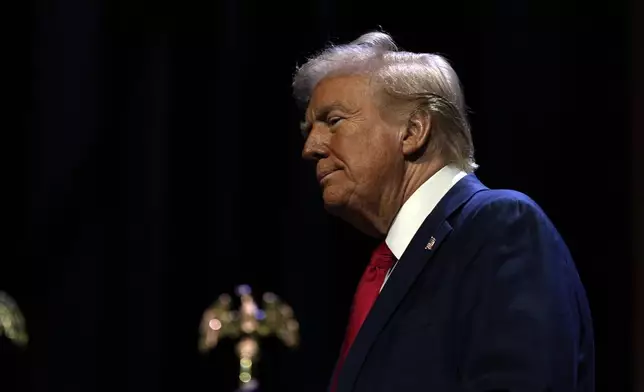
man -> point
(472, 289)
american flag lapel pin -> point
(431, 243)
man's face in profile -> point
(356, 150)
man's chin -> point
(335, 200)
(342, 210)
(334, 207)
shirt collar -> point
(421, 203)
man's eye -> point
(334, 120)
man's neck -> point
(414, 177)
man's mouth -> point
(325, 174)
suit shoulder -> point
(504, 209)
(500, 200)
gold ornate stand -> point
(248, 324)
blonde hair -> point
(425, 80)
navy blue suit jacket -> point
(495, 304)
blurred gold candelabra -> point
(249, 323)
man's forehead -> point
(349, 90)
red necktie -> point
(368, 289)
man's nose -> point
(315, 147)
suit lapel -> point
(421, 249)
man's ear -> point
(416, 134)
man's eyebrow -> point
(320, 115)
(324, 110)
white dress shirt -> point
(413, 213)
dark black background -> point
(162, 167)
